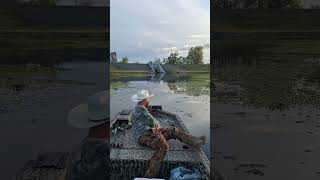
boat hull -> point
(129, 159)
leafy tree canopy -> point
(195, 56)
(172, 59)
(124, 60)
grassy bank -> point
(24, 41)
(186, 69)
(116, 73)
(22, 71)
(129, 70)
(133, 70)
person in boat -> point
(150, 134)
(91, 161)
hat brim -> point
(135, 98)
(79, 117)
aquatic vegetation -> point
(306, 93)
(277, 77)
(118, 85)
(196, 85)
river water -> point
(33, 118)
(266, 107)
(187, 96)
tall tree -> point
(172, 59)
(124, 60)
(195, 55)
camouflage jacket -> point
(90, 161)
(141, 120)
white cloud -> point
(199, 36)
(185, 49)
(164, 22)
(160, 25)
(139, 44)
(168, 49)
(148, 34)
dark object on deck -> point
(130, 159)
(48, 166)
(155, 108)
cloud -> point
(148, 34)
(206, 46)
(198, 36)
(184, 49)
(139, 44)
(161, 27)
(164, 22)
(169, 49)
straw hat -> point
(92, 113)
(141, 95)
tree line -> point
(237, 4)
(195, 56)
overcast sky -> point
(146, 29)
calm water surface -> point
(33, 119)
(266, 101)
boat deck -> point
(127, 153)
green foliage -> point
(194, 84)
(195, 55)
(172, 59)
(124, 60)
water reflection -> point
(33, 108)
(268, 80)
(266, 107)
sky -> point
(144, 30)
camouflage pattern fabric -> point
(157, 139)
(141, 120)
(90, 161)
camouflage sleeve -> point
(151, 120)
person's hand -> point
(157, 126)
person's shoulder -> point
(140, 108)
